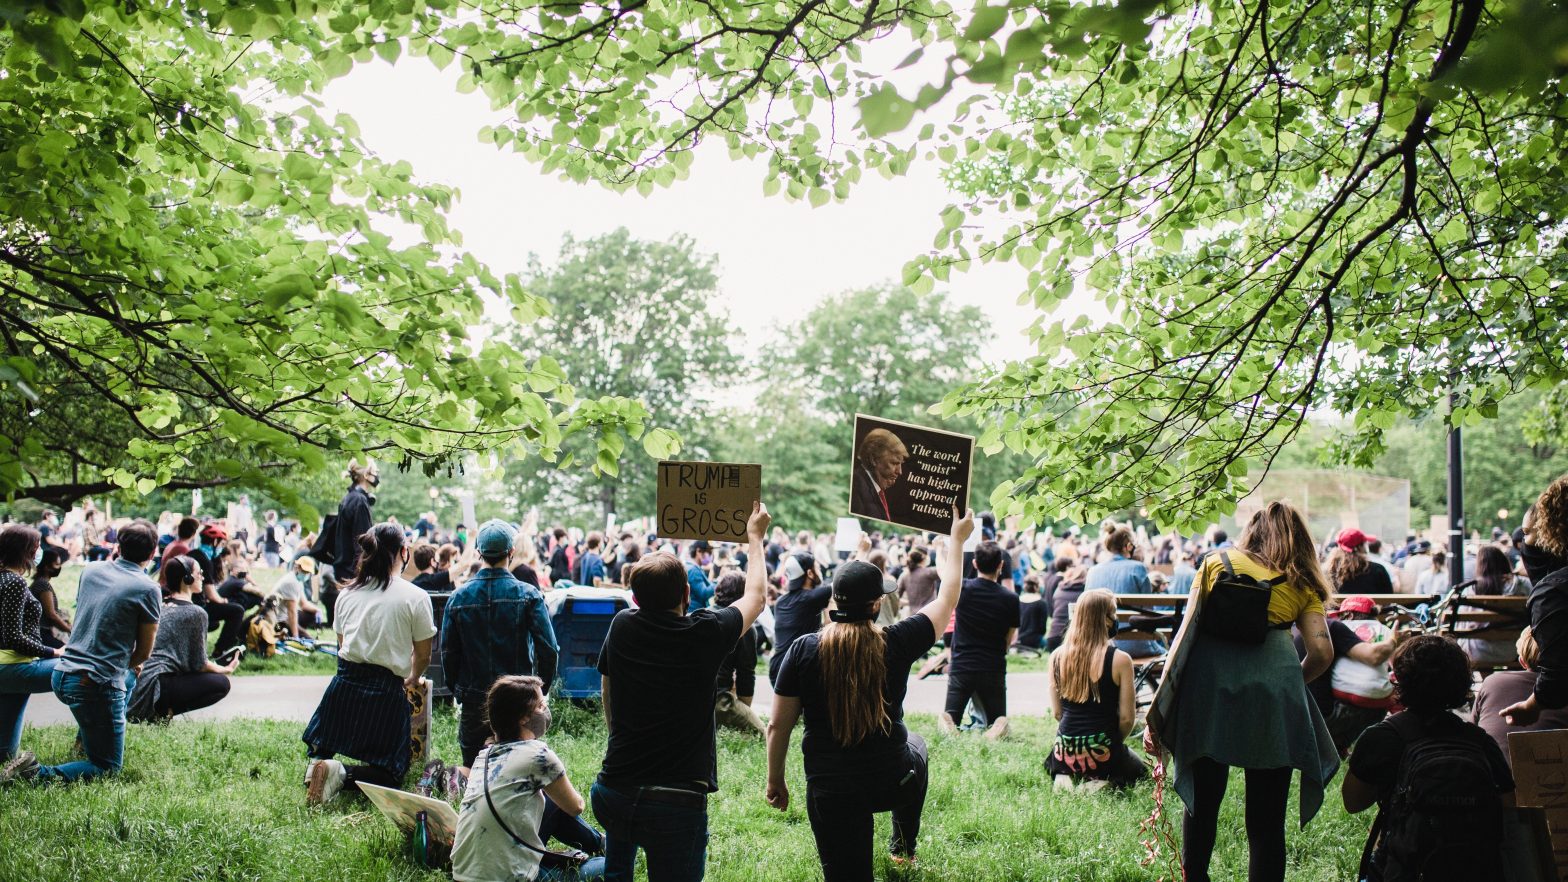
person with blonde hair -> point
(1235, 692)
(1506, 688)
(1089, 684)
(849, 681)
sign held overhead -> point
(707, 500)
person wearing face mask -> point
(521, 798)
(54, 628)
(26, 663)
(385, 626)
(697, 574)
(1545, 555)
(1089, 684)
(353, 522)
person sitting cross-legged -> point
(520, 797)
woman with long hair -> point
(1494, 577)
(1349, 569)
(385, 625)
(1229, 701)
(26, 662)
(849, 680)
(179, 677)
(1089, 684)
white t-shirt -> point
(518, 772)
(289, 588)
(378, 626)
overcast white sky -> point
(777, 258)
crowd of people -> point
(1274, 624)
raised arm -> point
(755, 599)
(950, 563)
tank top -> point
(1095, 717)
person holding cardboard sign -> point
(849, 681)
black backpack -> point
(1444, 820)
(1237, 606)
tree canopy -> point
(1279, 207)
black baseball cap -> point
(856, 585)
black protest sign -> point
(707, 500)
(909, 475)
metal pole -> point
(1456, 502)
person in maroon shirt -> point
(184, 535)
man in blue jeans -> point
(661, 764)
(117, 608)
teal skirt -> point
(1246, 706)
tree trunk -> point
(607, 499)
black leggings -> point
(841, 814)
(229, 617)
(1268, 791)
(182, 693)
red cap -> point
(1350, 539)
(1358, 603)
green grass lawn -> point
(224, 801)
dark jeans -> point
(472, 730)
(570, 830)
(182, 693)
(99, 710)
(841, 811)
(989, 691)
(229, 617)
(1268, 792)
(671, 828)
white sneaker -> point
(323, 781)
(1064, 782)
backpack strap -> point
(1225, 559)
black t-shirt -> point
(435, 582)
(1344, 640)
(560, 567)
(1380, 748)
(986, 612)
(971, 573)
(1372, 580)
(1031, 623)
(739, 668)
(662, 668)
(797, 614)
(800, 677)
(522, 573)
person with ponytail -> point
(849, 681)
(1226, 701)
(385, 626)
(179, 677)
(1089, 684)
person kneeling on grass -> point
(519, 797)
(1440, 783)
(385, 625)
(1089, 682)
(849, 680)
(737, 681)
(179, 677)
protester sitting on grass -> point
(1089, 684)
(1226, 701)
(53, 627)
(1507, 688)
(385, 625)
(987, 621)
(117, 607)
(238, 587)
(1033, 615)
(657, 669)
(1459, 838)
(298, 612)
(737, 680)
(493, 626)
(521, 797)
(1067, 592)
(26, 662)
(849, 680)
(179, 677)
(1545, 556)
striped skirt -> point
(364, 715)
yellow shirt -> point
(7, 657)
(1287, 602)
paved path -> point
(295, 698)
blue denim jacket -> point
(495, 625)
(1120, 575)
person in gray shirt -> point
(117, 607)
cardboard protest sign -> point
(909, 475)
(1540, 761)
(707, 500)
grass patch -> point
(224, 801)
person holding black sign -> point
(849, 680)
(658, 668)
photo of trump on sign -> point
(908, 475)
